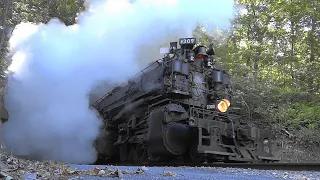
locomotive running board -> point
(269, 158)
(219, 153)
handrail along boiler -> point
(178, 108)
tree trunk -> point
(256, 66)
(312, 48)
(248, 63)
(292, 51)
(312, 55)
(3, 21)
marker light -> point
(223, 105)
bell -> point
(201, 51)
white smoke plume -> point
(55, 66)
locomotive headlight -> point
(223, 105)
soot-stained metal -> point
(179, 108)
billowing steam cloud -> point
(54, 68)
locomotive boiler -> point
(178, 108)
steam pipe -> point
(128, 109)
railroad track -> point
(262, 166)
(272, 166)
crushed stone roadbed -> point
(186, 173)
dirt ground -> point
(13, 168)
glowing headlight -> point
(223, 105)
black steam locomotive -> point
(178, 108)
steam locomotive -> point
(179, 108)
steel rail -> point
(261, 166)
(272, 166)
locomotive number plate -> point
(187, 41)
(211, 106)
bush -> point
(300, 115)
(308, 137)
(272, 106)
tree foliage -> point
(43, 11)
(35, 11)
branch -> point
(288, 133)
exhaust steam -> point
(54, 67)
